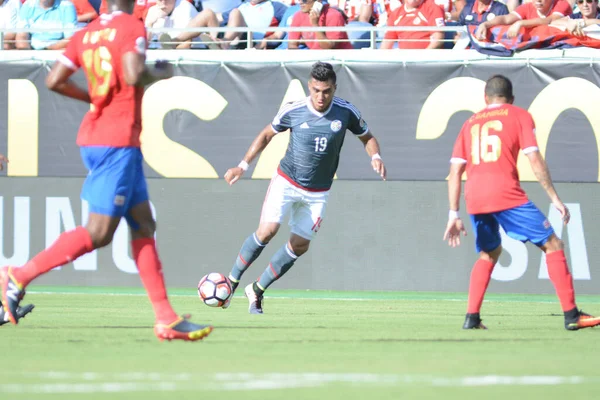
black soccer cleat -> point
(21, 313)
(11, 293)
(473, 321)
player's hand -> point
(514, 29)
(481, 32)
(563, 210)
(379, 167)
(164, 69)
(3, 160)
(453, 230)
(233, 175)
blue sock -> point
(249, 252)
(281, 263)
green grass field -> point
(98, 343)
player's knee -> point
(100, 236)
(553, 244)
(299, 245)
(491, 256)
(266, 233)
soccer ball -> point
(214, 289)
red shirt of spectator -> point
(115, 116)
(328, 17)
(428, 13)
(83, 7)
(489, 143)
(529, 11)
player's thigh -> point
(280, 197)
(139, 213)
(486, 231)
(526, 223)
(307, 216)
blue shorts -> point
(524, 223)
(115, 182)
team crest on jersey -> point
(417, 21)
(491, 16)
(362, 123)
(547, 224)
(119, 200)
(336, 125)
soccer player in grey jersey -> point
(301, 185)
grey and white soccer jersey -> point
(305, 174)
(316, 140)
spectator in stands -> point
(479, 11)
(280, 38)
(309, 17)
(170, 14)
(358, 13)
(40, 14)
(588, 9)
(9, 14)
(587, 16)
(528, 15)
(415, 13)
(221, 8)
(85, 12)
(140, 8)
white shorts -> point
(307, 208)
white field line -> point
(90, 382)
(33, 291)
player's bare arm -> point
(507, 19)
(137, 73)
(455, 225)
(542, 173)
(258, 145)
(58, 80)
(372, 148)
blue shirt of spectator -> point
(471, 15)
(60, 14)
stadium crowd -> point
(262, 17)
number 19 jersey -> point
(115, 116)
(489, 143)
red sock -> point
(150, 269)
(480, 278)
(68, 247)
(561, 278)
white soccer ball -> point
(214, 289)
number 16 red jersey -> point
(489, 143)
(115, 116)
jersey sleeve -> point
(459, 153)
(527, 141)
(134, 39)
(562, 8)
(356, 124)
(437, 16)
(283, 119)
(70, 58)
(522, 11)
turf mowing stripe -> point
(146, 382)
(319, 294)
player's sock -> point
(68, 247)
(480, 279)
(249, 252)
(281, 262)
(559, 273)
(150, 269)
(257, 289)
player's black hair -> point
(323, 72)
(499, 86)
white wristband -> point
(453, 215)
(375, 156)
(243, 165)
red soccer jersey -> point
(426, 14)
(329, 17)
(115, 116)
(528, 10)
(489, 143)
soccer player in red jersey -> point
(112, 52)
(487, 148)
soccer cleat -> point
(12, 293)
(21, 313)
(583, 321)
(182, 329)
(473, 321)
(254, 301)
(228, 301)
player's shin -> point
(480, 279)
(150, 269)
(68, 247)
(249, 252)
(561, 278)
(281, 263)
